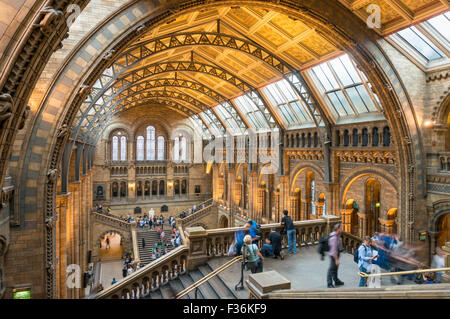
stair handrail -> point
(195, 215)
(142, 271)
(211, 275)
(407, 272)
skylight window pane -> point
(286, 88)
(300, 111)
(345, 103)
(442, 25)
(345, 59)
(341, 72)
(325, 77)
(337, 104)
(287, 114)
(366, 98)
(273, 94)
(356, 100)
(420, 43)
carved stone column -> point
(362, 225)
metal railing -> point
(211, 275)
(398, 273)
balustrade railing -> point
(188, 220)
(112, 221)
(149, 278)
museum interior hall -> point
(139, 137)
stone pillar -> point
(277, 207)
(284, 194)
(362, 225)
(294, 208)
(347, 220)
(253, 194)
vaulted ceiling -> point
(207, 58)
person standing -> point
(108, 246)
(438, 262)
(289, 228)
(113, 281)
(335, 244)
(253, 256)
(365, 257)
(143, 243)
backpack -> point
(356, 255)
(323, 246)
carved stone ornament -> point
(52, 175)
(62, 131)
(24, 117)
(50, 222)
(6, 105)
(50, 19)
(84, 89)
(108, 55)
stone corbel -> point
(109, 55)
(62, 131)
(6, 106)
(50, 19)
(52, 175)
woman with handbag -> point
(252, 255)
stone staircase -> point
(151, 237)
(215, 288)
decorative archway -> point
(223, 222)
(345, 35)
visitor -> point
(251, 228)
(252, 255)
(162, 235)
(289, 229)
(239, 239)
(129, 270)
(143, 243)
(124, 271)
(365, 257)
(438, 262)
(153, 256)
(335, 244)
(113, 281)
(178, 241)
(272, 247)
(108, 246)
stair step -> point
(206, 289)
(156, 294)
(187, 281)
(177, 286)
(217, 284)
(167, 292)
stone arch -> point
(301, 167)
(223, 222)
(126, 245)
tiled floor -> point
(110, 270)
(304, 270)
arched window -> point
(161, 148)
(309, 140)
(355, 137)
(123, 148)
(115, 148)
(140, 148)
(316, 139)
(176, 150)
(303, 140)
(338, 138)
(386, 136)
(346, 138)
(365, 137)
(375, 137)
(151, 144)
(183, 146)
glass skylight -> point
(441, 24)
(421, 44)
(344, 87)
(251, 111)
(287, 103)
